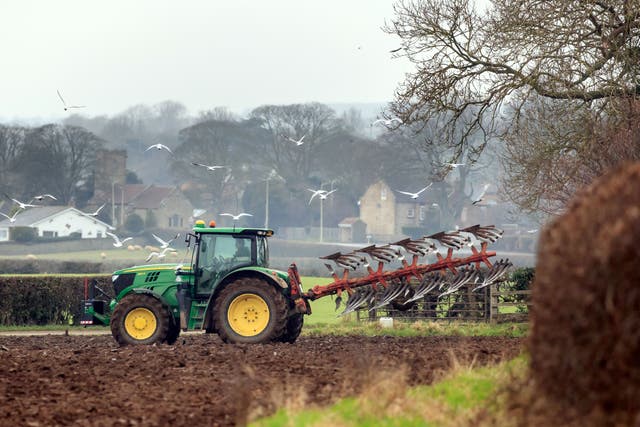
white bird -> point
(535, 230)
(414, 195)
(297, 142)
(22, 205)
(96, 212)
(117, 242)
(159, 147)
(159, 255)
(164, 244)
(236, 217)
(479, 198)
(42, 196)
(325, 195)
(211, 168)
(388, 122)
(316, 193)
(66, 107)
(11, 218)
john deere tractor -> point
(227, 288)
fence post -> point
(493, 303)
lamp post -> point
(271, 175)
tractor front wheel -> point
(250, 310)
(140, 319)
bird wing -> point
(226, 214)
(423, 189)
(243, 214)
(61, 98)
(162, 242)
(406, 192)
(395, 50)
(378, 121)
(198, 164)
(396, 119)
(6, 216)
(150, 147)
(166, 148)
(125, 239)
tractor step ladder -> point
(196, 316)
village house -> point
(56, 221)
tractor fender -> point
(272, 279)
(155, 295)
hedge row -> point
(43, 300)
(34, 266)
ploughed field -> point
(89, 380)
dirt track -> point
(88, 380)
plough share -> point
(445, 276)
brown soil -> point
(89, 380)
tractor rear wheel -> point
(250, 310)
(294, 327)
(140, 319)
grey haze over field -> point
(236, 54)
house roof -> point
(349, 221)
(30, 217)
(140, 196)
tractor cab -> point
(220, 251)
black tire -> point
(294, 327)
(174, 333)
(140, 319)
(250, 310)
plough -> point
(378, 288)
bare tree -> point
(57, 159)
(288, 123)
(471, 67)
(11, 140)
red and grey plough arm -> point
(396, 282)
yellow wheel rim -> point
(140, 323)
(248, 315)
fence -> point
(490, 304)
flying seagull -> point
(297, 142)
(159, 147)
(160, 255)
(164, 244)
(479, 198)
(66, 107)
(236, 217)
(414, 195)
(326, 194)
(387, 122)
(117, 242)
(22, 205)
(96, 212)
(42, 196)
(11, 218)
(211, 168)
(316, 193)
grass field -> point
(462, 397)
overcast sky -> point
(236, 53)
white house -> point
(56, 221)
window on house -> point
(383, 194)
(411, 213)
(422, 213)
(49, 233)
(3, 235)
(175, 221)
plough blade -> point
(452, 239)
(392, 292)
(495, 273)
(380, 253)
(349, 260)
(416, 247)
(359, 298)
(487, 233)
(428, 284)
(461, 279)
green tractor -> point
(228, 289)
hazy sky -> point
(236, 53)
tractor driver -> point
(242, 251)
